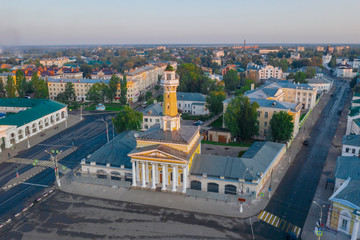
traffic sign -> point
(261, 194)
(269, 189)
(36, 160)
(241, 199)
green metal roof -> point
(354, 111)
(37, 109)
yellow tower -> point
(171, 118)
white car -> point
(18, 214)
(45, 194)
(1, 225)
(30, 205)
(51, 190)
(25, 209)
(9, 220)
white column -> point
(143, 176)
(153, 176)
(137, 171)
(355, 231)
(147, 179)
(163, 177)
(184, 179)
(174, 179)
(133, 174)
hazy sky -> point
(53, 22)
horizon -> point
(159, 22)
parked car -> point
(291, 236)
(198, 123)
(339, 111)
(306, 142)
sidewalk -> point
(209, 206)
(322, 195)
(74, 118)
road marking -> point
(279, 223)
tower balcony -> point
(173, 82)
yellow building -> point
(163, 155)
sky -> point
(75, 22)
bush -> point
(157, 87)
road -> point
(292, 199)
(89, 135)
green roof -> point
(354, 111)
(37, 109)
(357, 94)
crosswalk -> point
(279, 223)
(44, 163)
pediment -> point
(156, 155)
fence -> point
(101, 180)
(219, 196)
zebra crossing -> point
(44, 163)
(279, 223)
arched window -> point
(101, 174)
(213, 187)
(266, 114)
(115, 175)
(196, 185)
(230, 189)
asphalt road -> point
(89, 135)
(69, 216)
(292, 199)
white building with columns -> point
(28, 117)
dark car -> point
(198, 123)
(306, 142)
(291, 236)
(339, 111)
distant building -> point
(321, 84)
(344, 70)
(152, 115)
(351, 145)
(105, 74)
(320, 49)
(353, 120)
(217, 60)
(54, 61)
(225, 69)
(258, 72)
(267, 51)
(295, 55)
(218, 53)
(300, 49)
(192, 103)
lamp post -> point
(81, 117)
(107, 129)
(54, 159)
(242, 188)
(320, 219)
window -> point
(146, 120)
(309, 94)
(265, 124)
(156, 120)
(266, 114)
(179, 104)
(347, 150)
(353, 151)
(259, 113)
(344, 224)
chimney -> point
(252, 86)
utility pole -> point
(107, 129)
(54, 159)
(81, 118)
(320, 219)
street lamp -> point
(107, 129)
(81, 117)
(242, 188)
(54, 159)
(321, 210)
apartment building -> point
(267, 51)
(143, 78)
(54, 61)
(258, 72)
(104, 74)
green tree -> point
(284, 65)
(2, 90)
(281, 127)
(353, 82)
(69, 93)
(193, 79)
(39, 86)
(310, 72)
(148, 95)
(123, 90)
(10, 87)
(332, 62)
(231, 80)
(86, 69)
(214, 101)
(20, 85)
(113, 86)
(300, 77)
(127, 119)
(95, 93)
(241, 118)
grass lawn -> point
(108, 107)
(302, 116)
(217, 123)
(234, 144)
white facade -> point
(11, 135)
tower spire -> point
(171, 117)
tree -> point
(127, 119)
(148, 95)
(300, 77)
(95, 93)
(193, 79)
(20, 83)
(281, 127)
(10, 87)
(241, 118)
(214, 101)
(2, 90)
(353, 82)
(332, 63)
(310, 72)
(86, 69)
(231, 80)
(40, 87)
(69, 93)
(123, 90)
(113, 87)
